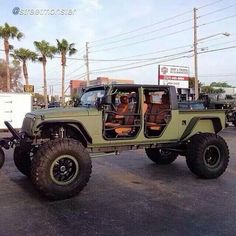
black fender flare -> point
(215, 120)
(78, 126)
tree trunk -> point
(25, 72)
(6, 48)
(45, 83)
(63, 85)
(63, 64)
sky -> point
(125, 35)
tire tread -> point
(44, 154)
(197, 144)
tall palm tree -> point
(23, 55)
(64, 48)
(46, 51)
(6, 32)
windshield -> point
(89, 98)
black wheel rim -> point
(64, 170)
(212, 156)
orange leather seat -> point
(152, 118)
(119, 118)
(122, 130)
(157, 114)
(121, 109)
(124, 105)
(146, 103)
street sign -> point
(29, 88)
(177, 76)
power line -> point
(119, 59)
(218, 10)
(69, 58)
(214, 39)
(232, 73)
(152, 59)
(77, 69)
(210, 4)
(78, 76)
(142, 27)
(149, 32)
(153, 24)
(217, 44)
(217, 20)
(82, 76)
(152, 52)
(71, 63)
(144, 65)
(124, 58)
(218, 49)
(158, 62)
(146, 40)
(218, 75)
(163, 28)
(80, 49)
(165, 35)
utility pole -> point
(87, 62)
(195, 53)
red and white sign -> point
(177, 76)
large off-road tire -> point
(161, 156)
(22, 159)
(2, 158)
(207, 155)
(61, 168)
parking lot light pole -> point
(214, 35)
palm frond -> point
(7, 31)
(19, 35)
(45, 49)
(72, 51)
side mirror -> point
(77, 102)
(106, 100)
(99, 103)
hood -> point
(62, 112)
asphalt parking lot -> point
(126, 195)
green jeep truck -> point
(55, 146)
